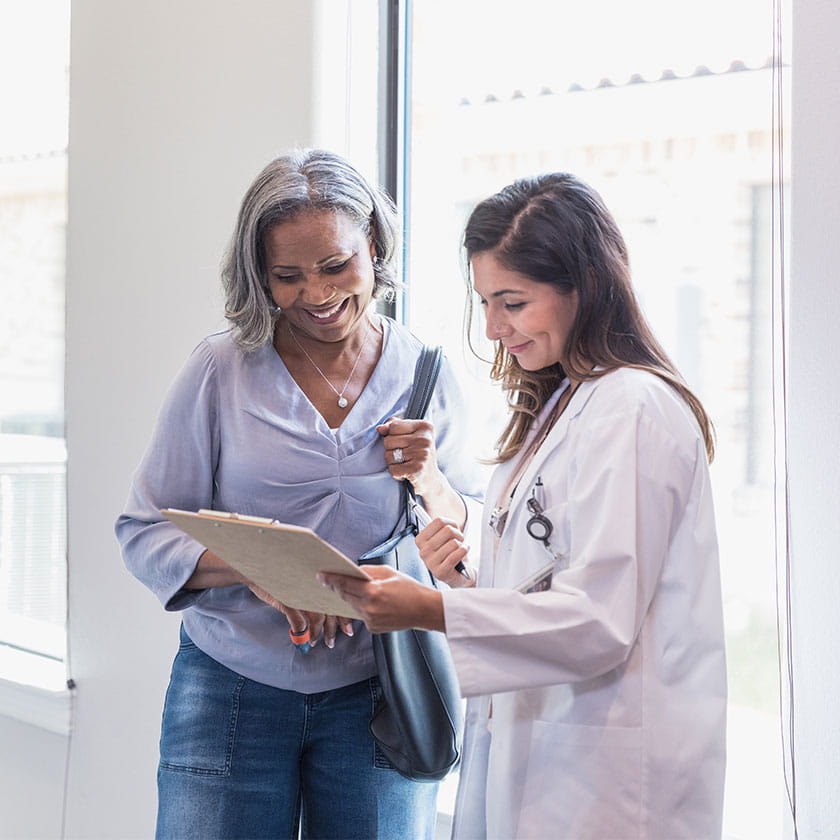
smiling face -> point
(320, 273)
(532, 320)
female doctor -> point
(592, 649)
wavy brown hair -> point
(556, 229)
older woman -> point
(293, 413)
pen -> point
(300, 640)
(423, 519)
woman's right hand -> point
(299, 620)
(441, 546)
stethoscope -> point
(538, 526)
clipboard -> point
(281, 559)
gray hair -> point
(300, 181)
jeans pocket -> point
(199, 715)
(379, 758)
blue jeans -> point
(243, 760)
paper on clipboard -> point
(282, 559)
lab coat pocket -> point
(539, 542)
(582, 781)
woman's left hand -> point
(410, 454)
(390, 601)
(317, 623)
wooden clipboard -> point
(282, 559)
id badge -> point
(540, 581)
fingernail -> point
(330, 643)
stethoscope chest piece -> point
(538, 526)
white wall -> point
(32, 771)
(174, 108)
(814, 414)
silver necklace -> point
(342, 400)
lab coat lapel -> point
(554, 439)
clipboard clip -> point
(242, 517)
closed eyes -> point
(332, 268)
(511, 307)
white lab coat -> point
(597, 708)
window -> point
(34, 55)
(666, 110)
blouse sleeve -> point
(628, 485)
(176, 472)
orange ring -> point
(300, 638)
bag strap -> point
(425, 377)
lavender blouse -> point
(236, 433)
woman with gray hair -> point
(294, 414)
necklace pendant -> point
(342, 402)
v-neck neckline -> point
(322, 423)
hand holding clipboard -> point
(281, 559)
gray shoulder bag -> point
(419, 719)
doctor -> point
(592, 649)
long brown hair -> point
(556, 229)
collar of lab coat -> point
(555, 437)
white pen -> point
(423, 519)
